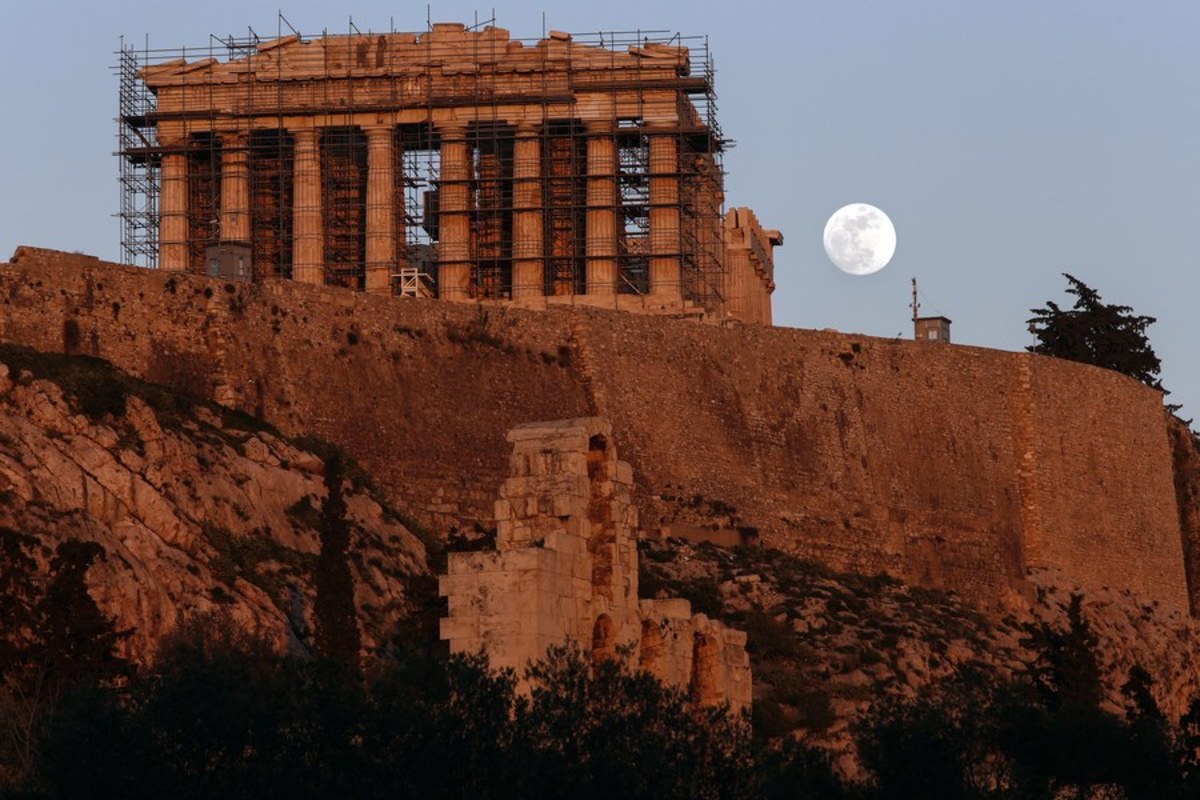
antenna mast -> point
(915, 305)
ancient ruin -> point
(565, 571)
(457, 163)
(951, 467)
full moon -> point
(860, 239)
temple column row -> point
(384, 230)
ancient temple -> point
(456, 163)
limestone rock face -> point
(826, 645)
(948, 467)
(197, 510)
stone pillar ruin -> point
(528, 265)
(308, 254)
(749, 266)
(565, 572)
(664, 217)
(601, 209)
(454, 214)
(381, 217)
(235, 188)
(173, 210)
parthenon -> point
(455, 163)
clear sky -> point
(1009, 141)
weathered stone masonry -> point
(565, 571)
(953, 467)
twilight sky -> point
(1009, 141)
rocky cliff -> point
(951, 467)
(198, 509)
(826, 645)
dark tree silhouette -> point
(77, 641)
(598, 730)
(1068, 669)
(19, 713)
(1098, 333)
(17, 596)
(220, 715)
(334, 612)
(53, 639)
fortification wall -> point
(948, 466)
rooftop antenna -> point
(915, 305)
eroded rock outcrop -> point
(826, 645)
(197, 509)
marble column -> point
(235, 189)
(454, 214)
(601, 209)
(664, 216)
(308, 248)
(173, 209)
(528, 263)
(381, 217)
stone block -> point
(472, 562)
(529, 558)
(468, 644)
(567, 506)
(579, 527)
(671, 608)
(503, 511)
(455, 628)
